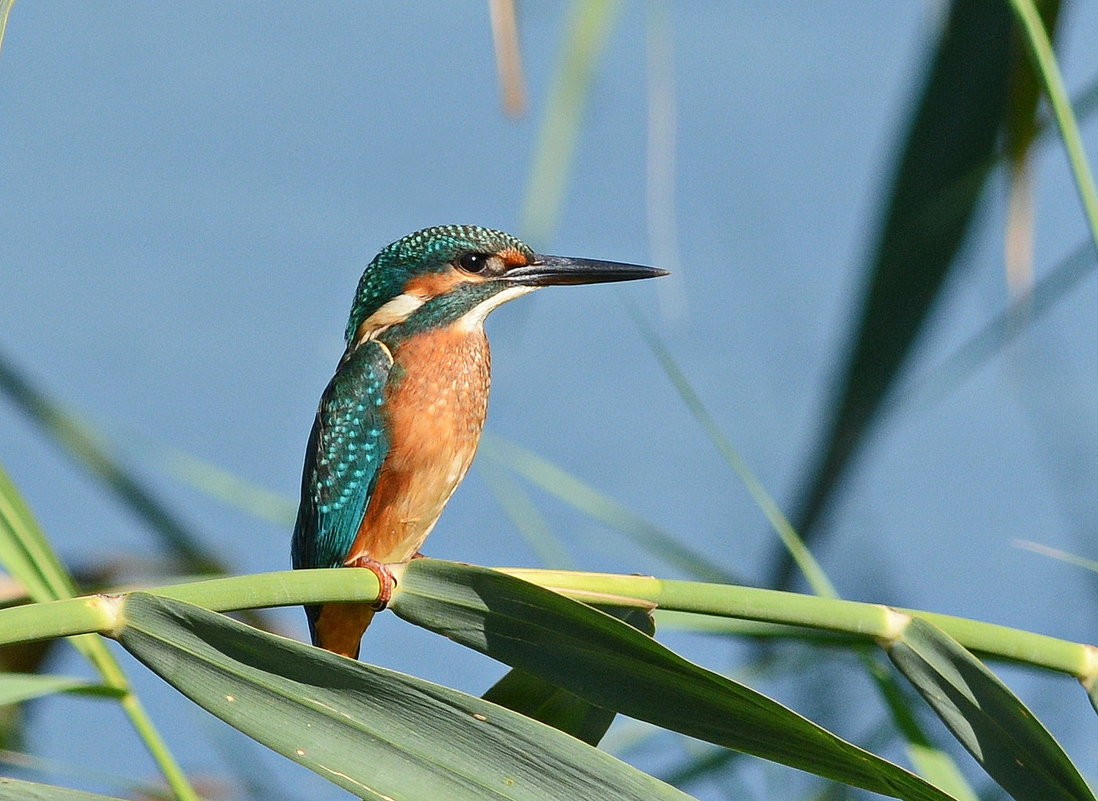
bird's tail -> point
(339, 627)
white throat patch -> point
(474, 318)
(392, 312)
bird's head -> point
(459, 273)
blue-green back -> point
(346, 448)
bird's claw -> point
(385, 580)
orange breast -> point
(435, 402)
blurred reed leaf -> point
(525, 516)
(374, 732)
(590, 23)
(5, 10)
(16, 790)
(925, 390)
(582, 496)
(932, 763)
(921, 391)
(505, 39)
(28, 556)
(986, 717)
(940, 174)
(89, 449)
(533, 696)
(55, 768)
(806, 562)
(613, 665)
(917, 393)
(15, 688)
(1056, 553)
(1021, 120)
(1036, 25)
(215, 481)
(1020, 131)
(869, 621)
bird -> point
(399, 422)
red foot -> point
(385, 579)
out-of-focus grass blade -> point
(375, 732)
(948, 152)
(24, 550)
(584, 497)
(1038, 42)
(810, 568)
(986, 717)
(925, 390)
(215, 481)
(55, 768)
(1049, 290)
(1021, 126)
(5, 10)
(1044, 296)
(589, 25)
(525, 516)
(613, 665)
(508, 58)
(661, 178)
(16, 790)
(931, 763)
(85, 446)
(18, 687)
(1056, 553)
(562, 709)
(27, 554)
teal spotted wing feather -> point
(346, 448)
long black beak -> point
(560, 270)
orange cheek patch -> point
(431, 285)
(513, 257)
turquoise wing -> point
(346, 448)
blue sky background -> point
(189, 194)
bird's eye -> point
(473, 262)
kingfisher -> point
(399, 422)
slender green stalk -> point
(872, 621)
(600, 507)
(100, 613)
(932, 763)
(5, 9)
(1057, 553)
(813, 573)
(526, 517)
(27, 553)
(293, 587)
(590, 23)
(1045, 60)
(280, 588)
